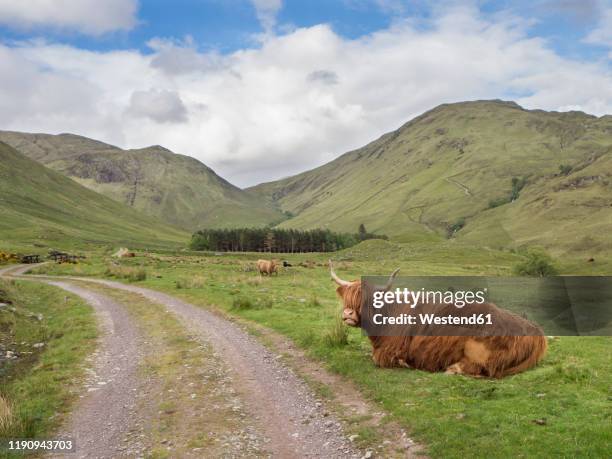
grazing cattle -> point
(267, 267)
(478, 356)
(286, 264)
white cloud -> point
(297, 101)
(92, 17)
(323, 76)
(159, 105)
(602, 34)
(267, 11)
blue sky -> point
(259, 89)
(229, 25)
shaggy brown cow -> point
(267, 267)
(478, 356)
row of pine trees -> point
(276, 240)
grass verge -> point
(47, 335)
(559, 409)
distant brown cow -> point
(489, 356)
(267, 267)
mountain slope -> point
(442, 170)
(40, 206)
(175, 188)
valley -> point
(210, 356)
(176, 189)
(472, 171)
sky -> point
(262, 89)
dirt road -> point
(104, 413)
(279, 403)
(295, 424)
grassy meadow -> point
(36, 388)
(561, 408)
(465, 189)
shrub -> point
(493, 203)
(337, 335)
(44, 269)
(132, 274)
(536, 263)
(458, 225)
(242, 303)
(565, 169)
(6, 416)
(307, 338)
(137, 274)
(517, 185)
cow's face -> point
(351, 303)
(350, 292)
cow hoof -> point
(402, 363)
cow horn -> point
(335, 278)
(391, 278)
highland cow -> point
(267, 267)
(477, 356)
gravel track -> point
(282, 405)
(105, 411)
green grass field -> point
(37, 387)
(559, 409)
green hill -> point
(177, 189)
(42, 208)
(450, 172)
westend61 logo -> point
(486, 306)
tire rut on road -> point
(105, 410)
(281, 403)
(105, 413)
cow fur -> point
(478, 356)
(267, 267)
